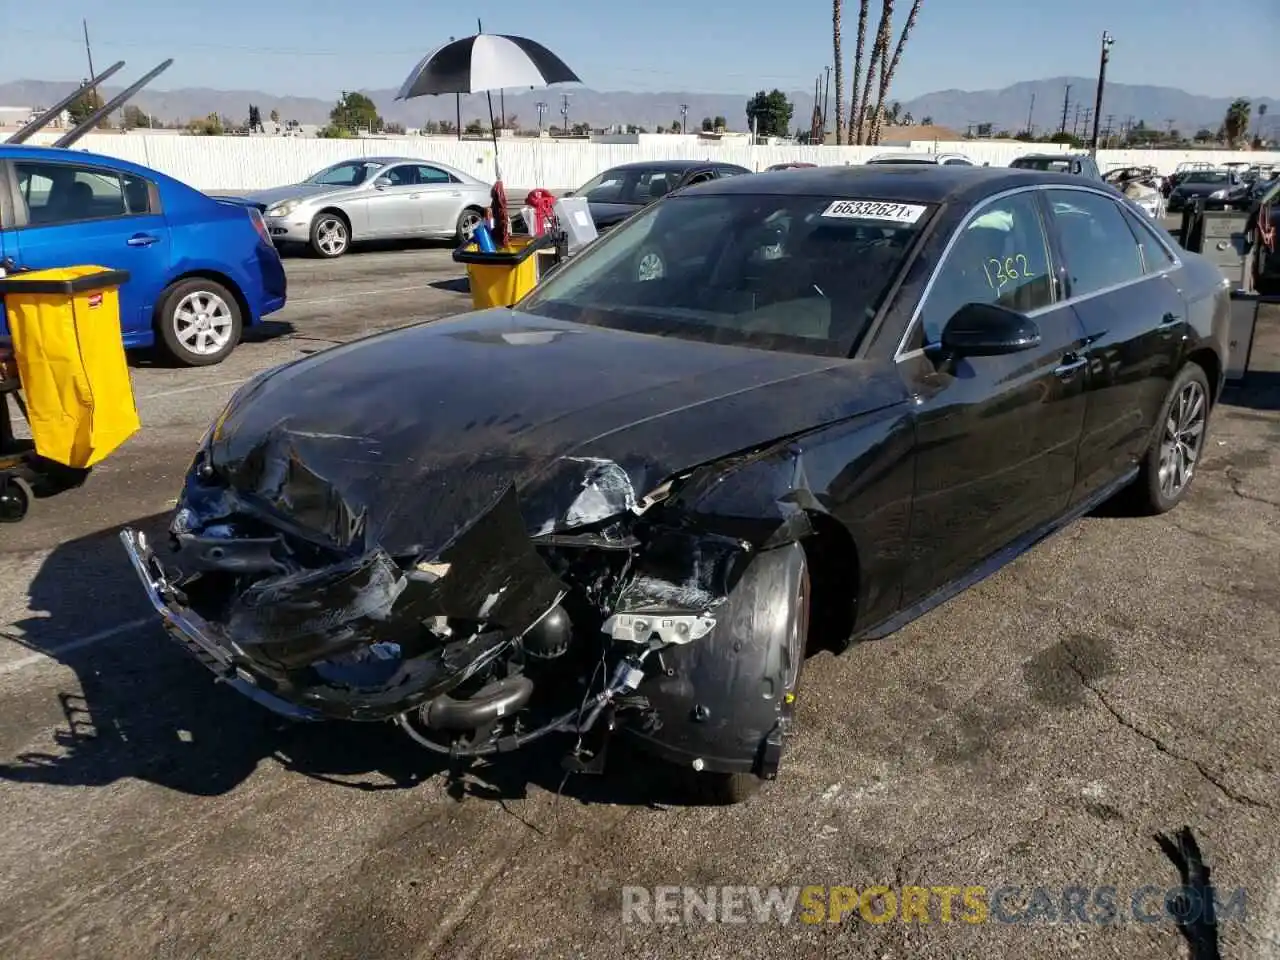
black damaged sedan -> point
(627, 507)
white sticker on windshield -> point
(875, 210)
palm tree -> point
(887, 72)
(1236, 123)
(1262, 112)
(855, 117)
(837, 8)
(879, 46)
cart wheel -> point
(15, 499)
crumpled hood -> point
(407, 436)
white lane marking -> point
(13, 666)
(352, 296)
(196, 389)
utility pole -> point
(1075, 124)
(1087, 114)
(1107, 41)
(564, 112)
(684, 118)
(826, 99)
(88, 50)
(1030, 111)
(1107, 132)
(542, 109)
(1066, 106)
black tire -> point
(182, 303)
(468, 220)
(1161, 485)
(15, 499)
(777, 578)
(330, 235)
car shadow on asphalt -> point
(1260, 390)
(453, 285)
(264, 332)
(142, 708)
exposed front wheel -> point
(200, 322)
(1175, 451)
(767, 611)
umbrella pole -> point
(494, 132)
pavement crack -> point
(1237, 481)
(1229, 792)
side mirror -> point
(987, 330)
(382, 183)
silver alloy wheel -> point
(1183, 437)
(331, 236)
(203, 322)
(467, 224)
(651, 267)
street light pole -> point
(1107, 41)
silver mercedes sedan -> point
(374, 198)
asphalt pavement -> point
(1041, 731)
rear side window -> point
(434, 175)
(1155, 255)
(1100, 249)
(55, 193)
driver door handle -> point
(1169, 319)
(1069, 365)
(142, 240)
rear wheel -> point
(200, 322)
(1178, 443)
(468, 220)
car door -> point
(440, 199)
(996, 436)
(393, 202)
(69, 213)
(1122, 281)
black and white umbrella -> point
(484, 63)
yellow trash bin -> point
(502, 278)
(65, 326)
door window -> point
(1000, 257)
(1155, 255)
(433, 175)
(56, 193)
(405, 176)
(1099, 248)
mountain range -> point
(1005, 109)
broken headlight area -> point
(499, 638)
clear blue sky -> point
(318, 47)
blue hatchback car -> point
(201, 268)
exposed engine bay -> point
(516, 627)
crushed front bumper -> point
(196, 635)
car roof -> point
(925, 183)
(680, 165)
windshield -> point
(349, 174)
(1208, 176)
(1047, 164)
(798, 274)
(633, 185)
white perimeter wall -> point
(252, 163)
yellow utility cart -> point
(72, 380)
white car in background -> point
(374, 198)
(945, 159)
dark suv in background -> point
(1080, 164)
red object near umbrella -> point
(501, 223)
(544, 204)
